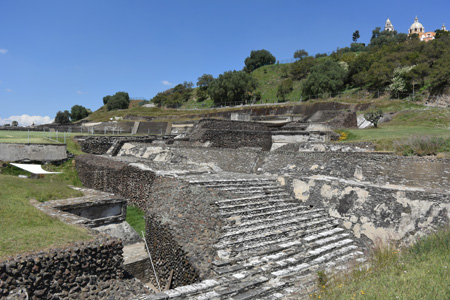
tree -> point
(78, 112)
(120, 100)
(204, 81)
(441, 34)
(326, 77)
(374, 116)
(300, 54)
(106, 99)
(284, 88)
(258, 58)
(15, 123)
(355, 36)
(62, 118)
(232, 86)
(301, 68)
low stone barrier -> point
(77, 269)
(33, 152)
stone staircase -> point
(271, 245)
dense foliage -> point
(78, 112)
(174, 97)
(62, 117)
(119, 100)
(258, 58)
(392, 63)
(232, 87)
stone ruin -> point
(228, 219)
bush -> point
(422, 146)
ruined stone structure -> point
(228, 219)
(237, 222)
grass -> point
(23, 227)
(421, 271)
(135, 217)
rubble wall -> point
(374, 212)
(128, 181)
(232, 134)
(63, 272)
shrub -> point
(422, 146)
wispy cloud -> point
(3, 51)
(165, 82)
(9, 90)
(26, 120)
(81, 92)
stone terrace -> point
(270, 245)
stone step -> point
(270, 226)
(252, 205)
(263, 291)
(270, 218)
(323, 234)
(337, 252)
(240, 184)
(268, 213)
(246, 191)
(252, 248)
(258, 211)
(255, 198)
(329, 247)
(256, 238)
(215, 182)
(240, 287)
(327, 240)
(186, 291)
(263, 188)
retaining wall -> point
(374, 211)
(426, 172)
(115, 177)
(232, 134)
(75, 270)
(32, 152)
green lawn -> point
(135, 217)
(25, 228)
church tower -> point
(388, 26)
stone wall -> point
(32, 152)
(429, 173)
(116, 177)
(76, 270)
(232, 134)
(159, 128)
(182, 227)
(182, 224)
(101, 144)
(374, 211)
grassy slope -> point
(269, 77)
(25, 228)
(421, 271)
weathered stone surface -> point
(81, 270)
(373, 211)
(232, 134)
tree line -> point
(392, 62)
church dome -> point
(416, 27)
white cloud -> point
(26, 120)
(3, 51)
(9, 90)
(81, 92)
(165, 82)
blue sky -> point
(56, 54)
